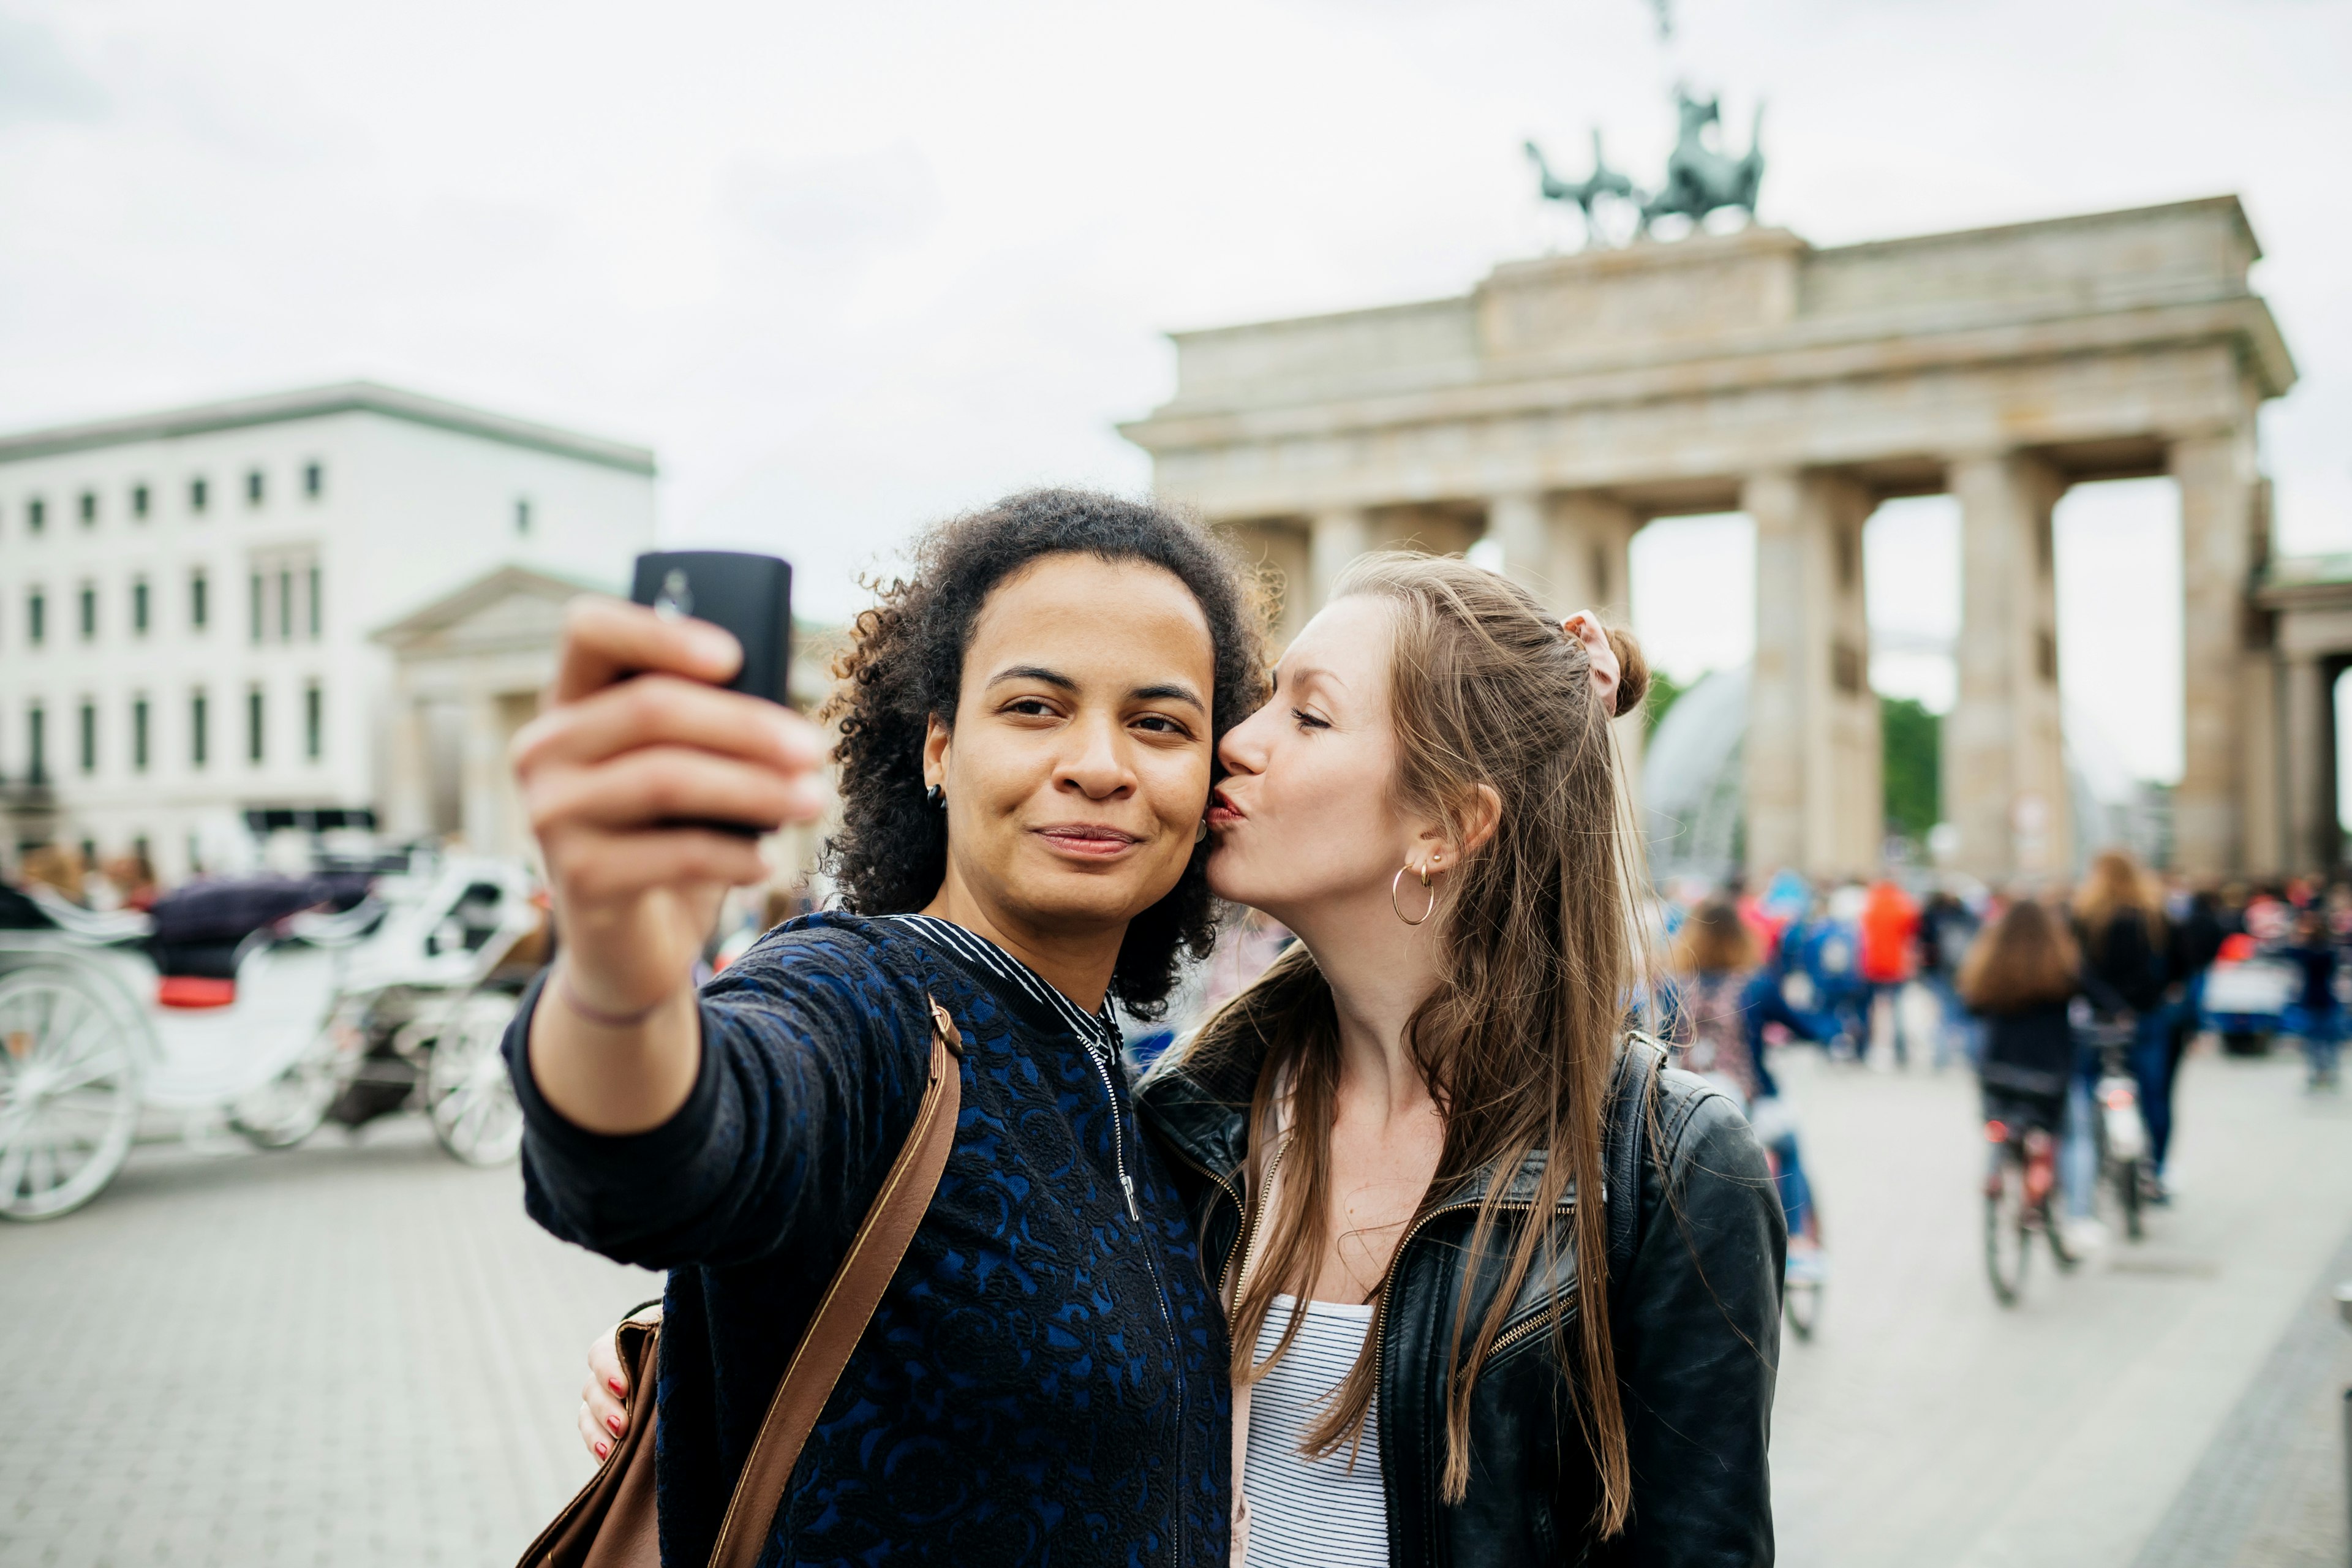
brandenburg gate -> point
(1566, 402)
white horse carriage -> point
(400, 999)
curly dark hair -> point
(905, 663)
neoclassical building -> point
(1566, 402)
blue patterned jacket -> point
(1045, 1379)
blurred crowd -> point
(2030, 989)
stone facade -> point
(1566, 402)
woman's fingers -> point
(595, 867)
(659, 784)
(653, 710)
(606, 638)
(604, 1418)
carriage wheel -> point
(475, 1113)
(289, 1107)
(68, 1094)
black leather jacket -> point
(1696, 1326)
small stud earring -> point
(936, 797)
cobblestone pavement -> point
(362, 1353)
(2170, 1402)
(348, 1355)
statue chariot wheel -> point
(69, 1082)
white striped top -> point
(1311, 1513)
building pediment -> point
(511, 609)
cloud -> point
(39, 81)
(834, 210)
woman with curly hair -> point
(1028, 726)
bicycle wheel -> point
(2067, 1257)
(2009, 1241)
(2125, 1176)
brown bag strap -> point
(848, 1305)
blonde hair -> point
(2114, 885)
(1536, 945)
(1714, 939)
(2026, 960)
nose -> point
(1243, 749)
(1097, 763)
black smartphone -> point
(750, 595)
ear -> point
(935, 752)
(1482, 814)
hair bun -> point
(1633, 670)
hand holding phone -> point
(641, 747)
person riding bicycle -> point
(1719, 1000)
(2019, 978)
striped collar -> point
(1101, 1035)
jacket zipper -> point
(1159, 1288)
(1256, 1223)
(1380, 1313)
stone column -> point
(1814, 793)
(407, 786)
(2219, 490)
(1335, 538)
(2310, 745)
(1570, 549)
(2004, 747)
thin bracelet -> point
(564, 988)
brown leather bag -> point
(612, 1523)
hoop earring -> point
(936, 797)
(1201, 831)
(1396, 881)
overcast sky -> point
(851, 268)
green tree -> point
(1663, 690)
(1911, 742)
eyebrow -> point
(1169, 692)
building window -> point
(199, 728)
(285, 604)
(253, 716)
(88, 611)
(199, 494)
(199, 607)
(139, 500)
(315, 611)
(138, 606)
(36, 514)
(138, 734)
(256, 605)
(314, 725)
(253, 486)
(36, 745)
(36, 617)
(88, 737)
(522, 514)
(314, 481)
(88, 508)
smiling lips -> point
(1090, 841)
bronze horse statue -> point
(1603, 180)
(1701, 179)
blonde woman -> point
(2131, 962)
